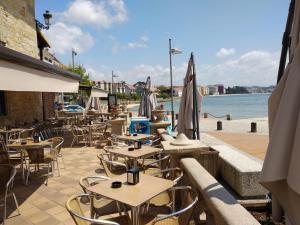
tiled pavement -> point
(45, 205)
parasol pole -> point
(286, 41)
(196, 133)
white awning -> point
(95, 92)
(14, 77)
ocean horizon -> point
(239, 106)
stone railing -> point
(220, 207)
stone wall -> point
(18, 27)
(22, 107)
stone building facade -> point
(18, 27)
(18, 32)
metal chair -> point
(78, 134)
(73, 206)
(7, 174)
(111, 168)
(182, 216)
(166, 198)
(100, 206)
(37, 156)
(57, 145)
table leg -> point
(135, 216)
(22, 166)
(90, 136)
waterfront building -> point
(28, 84)
(213, 90)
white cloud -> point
(224, 52)
(117, 47)
(135, 45)
(100, 13)
(144, 38)
(64, 37)
(94, 74)
(252, 68)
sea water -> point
(238, 106)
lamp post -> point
(47, 20)
(112, 81)
(74, 53)
(172, 51)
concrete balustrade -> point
(220, 207)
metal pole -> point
(73, 59)
(196, 132)
(112, 81)
(286, 40)
(171, 78)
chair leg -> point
(73, 142)
(4, 210)
(16, 202)
(57, 167)
(48, 174)
(27, 176)
(63, 161)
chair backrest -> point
(4, 157)
(13, 136)
(7, 174)
(108, 164)
(2, 144)
(188, 203)
(26, 133)
(74, 208)
(36, 155)
(89, 181)
(189, 199)
(57, 143)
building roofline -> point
(16, 57)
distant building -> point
(213, 90)
(129, 89)
(204, 90)
(116, 87)
(221, 89)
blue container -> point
(139, 125)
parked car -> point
(74, 108)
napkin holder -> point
(133, 176)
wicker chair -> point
(7, 174)
(13, 136)
(99, 206)
(73, 206)
(57, 145)
(182, 216)
(111, 168)
(78, 134)
(167, 198)
(37, 157)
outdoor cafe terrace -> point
(169, 175)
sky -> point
(234, 42)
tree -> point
(80, 70)
(164, 92)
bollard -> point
(130, 114)
(228, 117)
(219, 125)
(205, 115)
(253, 127)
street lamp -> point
(172, 51)
(74, 53)
(112, 81)
(47, 20)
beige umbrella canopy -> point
(190, 105)
(281, 170)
